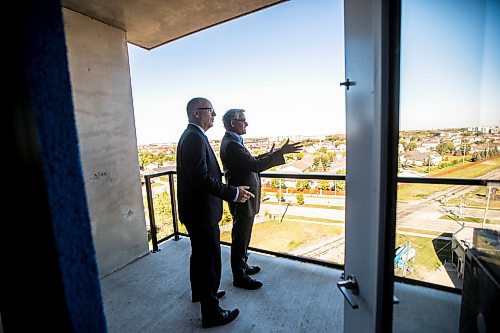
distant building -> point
(151, 166)
(430, 144)
(297, 166)
(417, 158)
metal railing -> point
(155, 241)
(311, 176)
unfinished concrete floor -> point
(152, 294)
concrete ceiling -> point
(151, 23)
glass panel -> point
(450, 78)
(300, 217)
(435, 226)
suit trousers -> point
(205, 266)
(241, 234)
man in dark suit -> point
(199, 193)
(240, 167)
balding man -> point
(199, 193)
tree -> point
(145, 158)
(302, 184)
(277, 183)
(300, 198)
(410, 146)
(324, 184)
(340, 185)
(321, 162)
(445, 148)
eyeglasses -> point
(243, 120)
(211, 110)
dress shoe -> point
(222, 318)
(220, 294)
(247, 283)
(251, 270)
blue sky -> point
(283, 66)
(450, 63)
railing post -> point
(152, 225)
(174, 205)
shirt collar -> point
(238, 137)
(201, 129)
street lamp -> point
(463, 154)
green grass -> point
(426, 258)
(469, 219)
(425, 232)
(285, 237)
(435, 169)
(419, 191)
(314, 219)
(422, 191)
(476, 199)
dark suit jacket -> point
(241, 168)
(199, 181)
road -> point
(418, 215)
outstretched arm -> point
(288, 147)
(239, 157)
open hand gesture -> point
(288, 148)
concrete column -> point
(102, 94)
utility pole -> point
(461, 205)
(463, 154)
(280, 193)
(488, 192)
(429, 169)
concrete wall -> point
(102, 95)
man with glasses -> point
(240, 167)
(199, 193)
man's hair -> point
(230, 115)
(193, 104)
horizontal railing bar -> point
(446, 181)
(312, 175)
(322, 176)
(166, 238)
(426, 284)
(159, 174)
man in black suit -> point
(199, 193)
(240, 167)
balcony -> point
(153, 294)
(299, 293)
